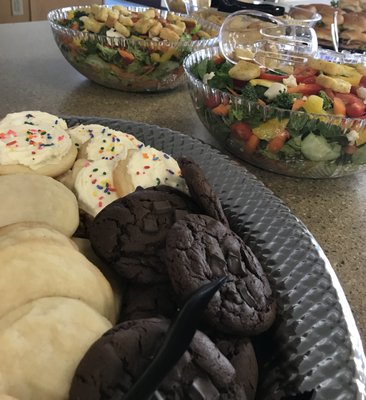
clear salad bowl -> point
(287, 122)
(123, 47)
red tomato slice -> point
(348, 98)
(241, 130)
(355, 107)
(302, 73)
(308, 79)
(363, 81)
(354, 90)
(272, 77)
(329, 92)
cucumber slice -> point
(360, 156)
(316, 148)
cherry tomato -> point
(218, 59)
(251, 144)
(241, 130)
(350, 149)
(238, 83)
(212, 102)
(355, 110)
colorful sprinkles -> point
(24, 143)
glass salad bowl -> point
(135, 49)
(304, 120)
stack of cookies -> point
(55, 303)
(157, 233)
(351, 21)
(166, 245)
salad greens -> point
(300, 123)
(134, 50)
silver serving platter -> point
(314, 344)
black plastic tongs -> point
(258, 5)
(177, 340)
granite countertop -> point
(34, 75)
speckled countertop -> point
(34, 75)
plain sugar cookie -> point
(38, 198)
(42, 343)
(32, 231)
(33, 269)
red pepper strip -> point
(272, 77)
(306, 89)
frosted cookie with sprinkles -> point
(147, 167)
(39, 149)
(82, 133)
(93, 185)
(33, 118)
(100, 142)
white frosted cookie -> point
(38, 149)
(147, 167)
(33, 269)
(32, 231)
(33, 118)
(38, 198)
(93, 185)
(42, 343)
(82, 133)
(110, 145)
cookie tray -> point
(314, 343)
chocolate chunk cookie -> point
(115, 361)
(144, 301)
(130, 232)
(201, 190)
(241, 354)
(200, 249)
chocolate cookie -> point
(144, 301)
(85, 220)
(115, 361)
(200, 249)
(201, 190)
(241, 354)
(130, 232)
